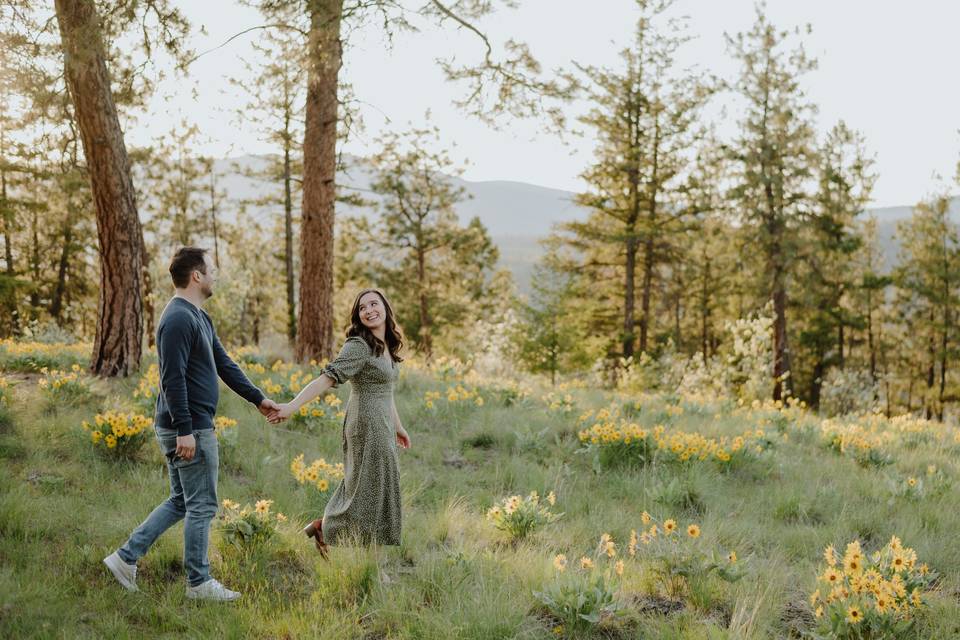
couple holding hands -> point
(366, 505)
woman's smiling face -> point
(373, 314)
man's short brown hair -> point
(185, 261)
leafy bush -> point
(246, 526)
(587, 595)
(869, 597)
(120, 435)
(519, 517)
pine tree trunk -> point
(213, 218)
(426, 330)
(5, 216)
(56, 301)
(651, 231)
(288, 242)
(840, 343)
(943, 362)
(256, 320)
(931, 371)
(629, 295)
(315, 332)
(816, 382)
(870, 344)
(148, 308)
(781, 356)
(119, 332)
(35, 263)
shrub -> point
(246, 526)
(120, 435)
(519, 517)
(64, 387)
(869, 597)
(588, 594)
(681, 560)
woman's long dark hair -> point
(392, 331)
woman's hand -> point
(282, 413)
(403, 438)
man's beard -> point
(207, 291)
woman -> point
(367, 502)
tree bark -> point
(315, 332)
(931, 370)
(148, 308)
(288, 238)
(213, 217)
(56, 301)
(649, 245)
(119, 333)
(426, 328)
(5, 217)
(705, 305)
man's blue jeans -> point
(193, 498)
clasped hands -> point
(277, 413)
(273, 412)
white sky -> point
(885, 67)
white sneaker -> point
(212, 590)
(126, 574)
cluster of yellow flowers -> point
(583, 597)
(245, 353)
(777, 405)
(149, 384)
(606, 548)
(255, 367)
(319, 473)
(609, 431)
(652, 528)
(865, 444)
(222, 423)
(328, 409)
(519, 516)
(246, 525)
(270, 387)
(117, 430)
(455, 394)
(443, 368)
(11, 349)
(560, 403)
(55, 380)
(4, 385)
(298, 380)
(679, 555)
(261, 508)
(871, 438)
(875, 594)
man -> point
(191, 359)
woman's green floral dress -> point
(367, 502)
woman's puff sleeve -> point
(353, 355)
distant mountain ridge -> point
(516, 214)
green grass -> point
(63, 507)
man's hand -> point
(283, 412)
(269, 409)
(186, 447)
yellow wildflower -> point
(560, 562)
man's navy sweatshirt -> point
(191, 358)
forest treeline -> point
(690, 234)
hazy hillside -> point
(516, 214)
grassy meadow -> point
(766, 489)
